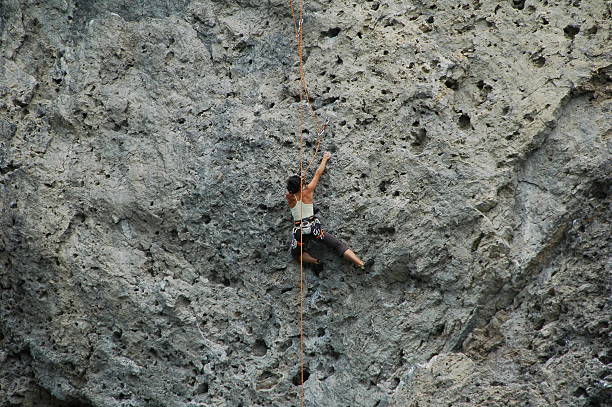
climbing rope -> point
(304, 93)
(301, 282)
(302, 174)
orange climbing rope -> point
(304, 95)
(298, 35)
(301, 281)
(302, 174)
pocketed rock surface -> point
(144, 235)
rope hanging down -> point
(304, 95)
(303, 91)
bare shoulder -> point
(308, 196)
(290, 199)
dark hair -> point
(293, 184)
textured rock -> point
(144, 236)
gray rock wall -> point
(144, 148)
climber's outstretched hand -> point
(315, 180)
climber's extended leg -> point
(350, 255)
(341, 248)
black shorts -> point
(317, 233)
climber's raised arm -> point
(315, 180)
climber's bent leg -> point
(295, 250)
(307, 258)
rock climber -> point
(302, 209)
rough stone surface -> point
(143, 232)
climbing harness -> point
(308, 226)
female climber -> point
(301, 204)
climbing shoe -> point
(366, 266)
(317, 267)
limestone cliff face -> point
(144, 147)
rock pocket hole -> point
(538, 61)
(599, 189)
(465, 122)
(451, 84)
(260, 348)
(332, 32)
(580, 392)
(202, 388)
(382, 187)
(476, 242)
(286, 345)
(592, 30)
(267, 380)
(297, 379)
(571, 31)
(419, 139)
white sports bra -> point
(302, 210)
